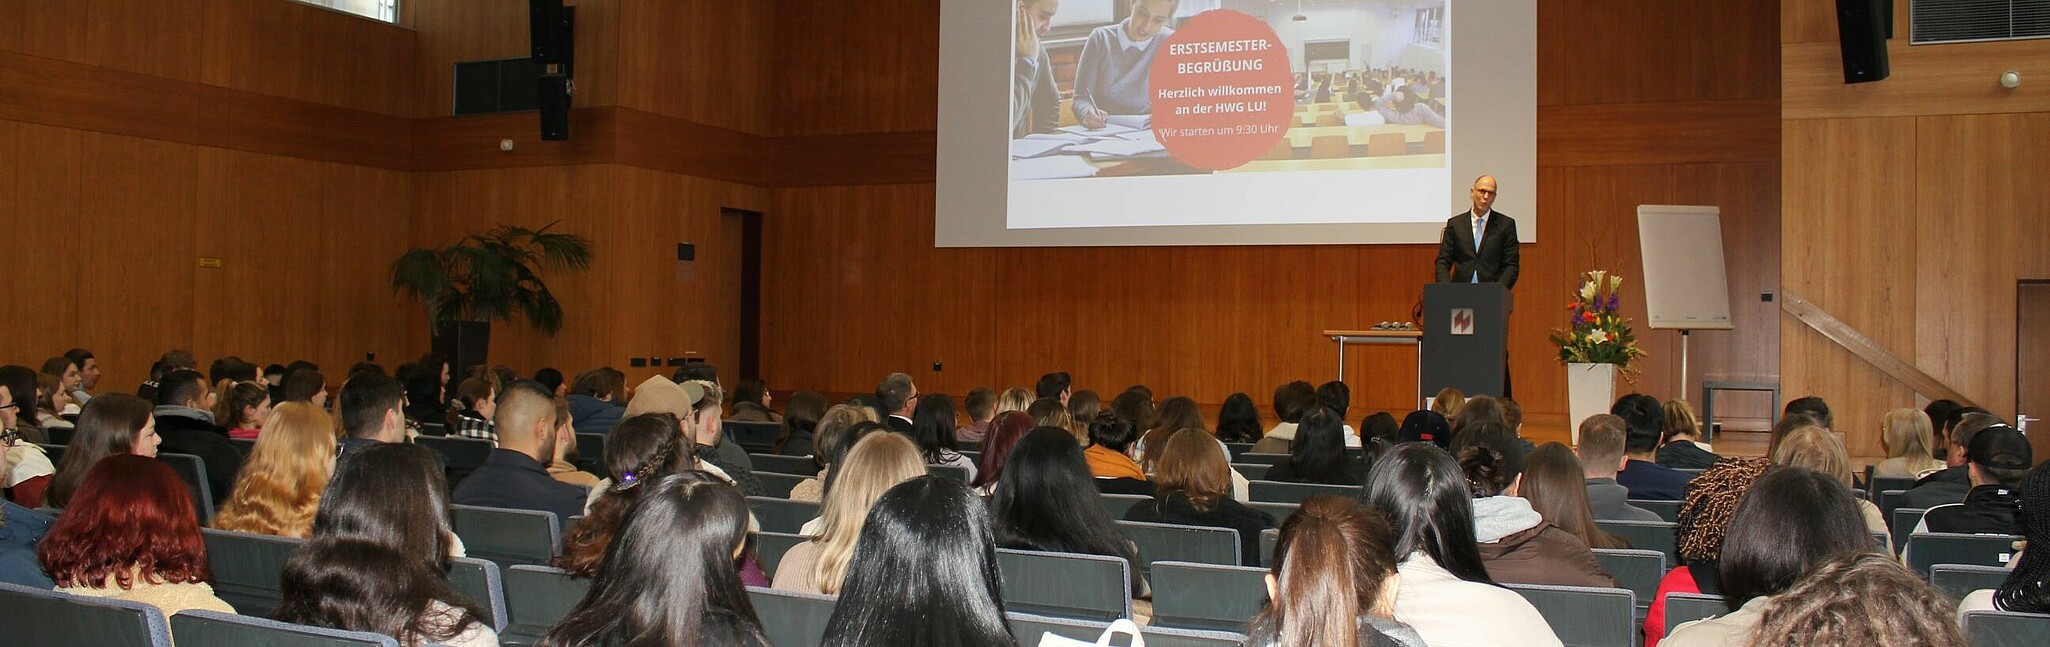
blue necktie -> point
(1480, 225)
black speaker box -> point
(553, 92)
(1862, 27)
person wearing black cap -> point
(1425, 426)
(1950, 484)
(1999, 457)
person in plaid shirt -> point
(479, 397)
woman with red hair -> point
(1004, 433)
(130, 534)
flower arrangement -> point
(1596, 332)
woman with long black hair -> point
(1047, 501)
(924, 573)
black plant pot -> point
(464, 344)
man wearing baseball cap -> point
(1998, 457)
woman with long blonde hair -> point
(279, 489)
(1907, 435)
(876, 463)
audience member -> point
(1113, 70)
(20, 530)
(800, 424)
(1444, 584)
(1813, 407)
(826, 448)
(1136, 406)
(380, 553)
(1554, 483)
(877, 463)
(111, 424)
(2027, 587)
(563, 466)
(1045, 501)
(924, 572)
(1906, 436)
(1083, 408)
(1517, 545)
(372, 411)
(1447, 402)
(1009, 428)
(932, 429)
(1402, 107)
(2000, 457)
(695, 405)
(1378, 432)
(1602, 439)
(640, 450)
(1512, 414)
(1193, 486)
(1953, 482)
(279, 488)
(595, 400)
(187, 427)
(20, 384)
(672, 575)
(66, 373)
(426, 384)
(304, 385)
(1477, 409)
(129, 534)
(51, 403)
(479, 397)
(28, 469)
(1644, 419)
(1291, 402)
(1682, 447)
(752, 402)
(1048, 412)
(88, 374)
(1238, 421)
(1333, 580)
(1176, 414)
(1831, 606)
(1425, 426)
(1014, 399)
(695, 371)
(243, 407)
(899, 397)
(514, 475)
(1943, 414)
(981, 404)
(1053, 386)
(1704, 519)
(551, 379)
(1792, 520)
(1110, 437)
(1318, 455)
(1818, 450)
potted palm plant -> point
(484, 277)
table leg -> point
(1341, 357)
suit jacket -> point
(1497, 261)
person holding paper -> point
(1035, 100)
(1110, 77)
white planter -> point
(1590, 390)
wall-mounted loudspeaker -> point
(553, 92)
(1862, 27)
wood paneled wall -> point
(856, 289)
(1915, 204)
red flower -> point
(1573, 306)
(1588, 317)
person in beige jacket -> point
(129, 533)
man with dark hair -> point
(981, 404)
(370, 408)
(1053, 386)
(698, 371)
(516, 474)
(1951, 484)
(88, 373)
(1999, 457)
(1814, 407)
(177, 359)
(1602, 438)
(230, 368)
(898, 397)
(1644, 419)
(360, 368)
(188, 428)
(1291, 402)
(306, 385)
(595, 401)
(1942, 414)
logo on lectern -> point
(1462, 321)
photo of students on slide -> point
(1370, 86)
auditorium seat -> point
(756, 437)
(1269, 460)
(507, 536)
(55, 452)
(1881, 484)
(955, 472)
(1927, 549)
(1956, 581)
(1237, 450)
(782, 515)
(1269, 539)
(1646, 535)
(591, 453)
(479, 580)
(434, 429)
(1636, 569)
(1585, 616)
(799, 465)
(770, 547)
(1890, 500)
(247, 445)
(1252, 471)
(1686, 607)
(40, 617)
(1901, 522)
(792, 619)
(1329, 146)
(2005, 629)
(1434, 142)
(1118, 504)
(1666, 510)
(1280, 492)
(1066, 585)
(246, 568)
(1207, 596)
(778, 485)
(464, 455)
(215, 629)
(1280, 511)
(1387, 144)
(59, 435)
(192, 470)
(1028, 629)
(1283, 149)
(1330, 119)
(536, 597)
(1160, 542)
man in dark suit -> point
(1493, 259)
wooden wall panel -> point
(707, 61)
(856, 67)
(138, 203)
(1620, 51)
(1926, 80)
(38, 192)
(330, 58)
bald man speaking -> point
(1480, 246)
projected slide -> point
(1149, 113)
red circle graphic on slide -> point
(1222, 93)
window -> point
(1430, 26)
(385, 10)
